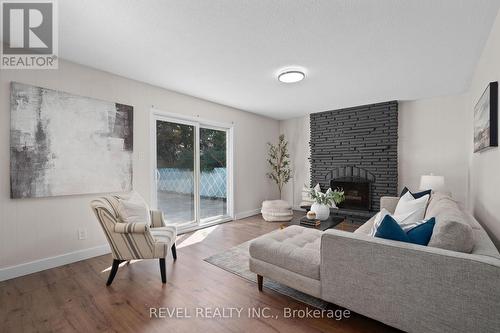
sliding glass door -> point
(213, 174)
(175, 171)
(192, 171)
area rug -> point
(235, 260)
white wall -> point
(436, 135)
(431, 140)
(33, 229)
(297, 132)
(484, 167)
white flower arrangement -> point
(329, 197)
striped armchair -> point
(134, 240)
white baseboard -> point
(11, 272)
(51, 262)
(248, 213)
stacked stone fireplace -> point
(356, 149)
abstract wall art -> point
(64, 144)
(486, 119)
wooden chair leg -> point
(163, 270)
(260, 281)
(114, 269)
(174, 252)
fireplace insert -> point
(356, 191)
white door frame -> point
(197, 122)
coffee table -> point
(329, 223)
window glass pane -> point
(213, 173)
(175, 171)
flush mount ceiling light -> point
(291, 76)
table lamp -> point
(432, 182)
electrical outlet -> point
(82, 233)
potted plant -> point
(279, 161)
(323, 201)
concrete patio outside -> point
(179, 208)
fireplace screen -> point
(356, 191)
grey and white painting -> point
(482, 122)
(63, 144)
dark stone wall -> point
(365, 137)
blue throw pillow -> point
(390, 229)
(422, 233)
(415, 195)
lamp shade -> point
(432, 182)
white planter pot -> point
(322, 211)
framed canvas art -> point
(486, 119)
(64, 144)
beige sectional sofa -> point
(411, 287)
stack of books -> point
(310, 222)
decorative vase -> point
(322, 211)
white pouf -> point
(276, 210)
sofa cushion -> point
(438, 203)
(390, 229)
(410, 211)
(450, 234)
(294, 248)
(421, 234)
(452, 231)
(406, 221)
(378, 220)
(416, 195)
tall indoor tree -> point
(279, 161)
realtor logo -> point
(29, 34)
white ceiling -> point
(229, 51)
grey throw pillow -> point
(452, 233)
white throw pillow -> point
(378, 219)
(410, 212)
(134, 209)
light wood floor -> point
(74, 298)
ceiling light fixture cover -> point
(291, 76)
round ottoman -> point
(276, 211)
